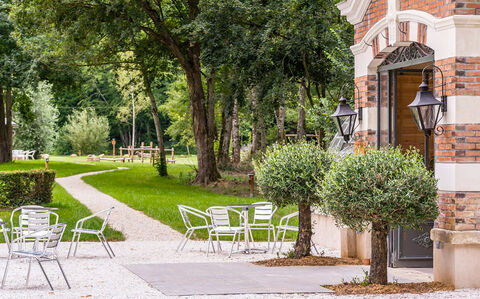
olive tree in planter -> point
(379, 190)
(289, 175)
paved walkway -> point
(135, 225)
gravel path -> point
(135, 225)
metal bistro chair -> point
(221, 226)
(262, 218)
(185, 211)
(32, 220)
(78, 230)
(283, 227)
(5, 231)
(48, 254)
(30, 155)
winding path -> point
(135, 225)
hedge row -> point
(18, 188)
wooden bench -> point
(113, 159)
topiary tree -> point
(288, 175)
(379, 190)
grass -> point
(142, 189)
(69, 210)
(63, 168)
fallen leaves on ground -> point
(391, 288)
(309, 261)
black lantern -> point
(426, 110)
(344, 117)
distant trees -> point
(38, 128)
(87, 132)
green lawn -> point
(142, 189)
(62, 167)
(69, 209)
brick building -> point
(394, 41)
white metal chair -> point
(48, 254)
(78, 230)
(5, 231)
(32, 220)
(221, 226)
(185, 211)
(283, 227)
(262, 218)
(30, 155)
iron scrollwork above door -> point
(402, 54)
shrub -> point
(87, 131)
(18, 188)
(379, 190)
(288, 175)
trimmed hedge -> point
(18, 188)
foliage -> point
(40, 133)
(380, 186)
(87, 132)
(18, 188)
(290, 173)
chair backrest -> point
(264, 211)
(55, 236)
(219, 216)
(106, 218)
(33, 217)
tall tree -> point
(86, 25)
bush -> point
(379, 190)
(87, 131)
(289, 174)
(18, 188)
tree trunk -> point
(280, 119)
(255, 129)
(225, 136)
(211, 107)
(262, 132)
(301, 113)
(158, 127)
(207, 164)
(304, 238)
(378, 265)
(6, 133)
(235, 133)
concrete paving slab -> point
(187, 279)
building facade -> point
(394, 41)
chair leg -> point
(238, 243)
(275, 239)
(6, 269)
(71, 244)
(44, 273)
(209, 241)
(233, 244)
(251, 237)
(187, 239)
(108, 244)
(283, 239)
(182, 241)
(63, 273)
(100, 238)
(218, 243)
(29, 269)
(76, 245)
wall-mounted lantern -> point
(345, 117)
(426, 109)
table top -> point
(245, 205)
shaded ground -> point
(391, 288)
(309, 261)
